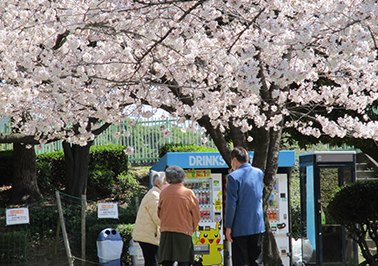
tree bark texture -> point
(77, 161)
(17, 138)
(266, 158)
(24, 183)
(218, 138)
(372, 151)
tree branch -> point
(17, 138)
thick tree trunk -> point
(260, 156)
(266, 158)
(24, 183)
(237, 136)
(77, 161)
(218, 138)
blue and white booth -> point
(206, 176)
(212, 160)
(321, 173)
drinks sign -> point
(108, 210)
(17, 216)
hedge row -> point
(107, 165)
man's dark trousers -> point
(247, 250)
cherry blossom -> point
(67, 66)
(129, 150)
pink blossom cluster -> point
(66, 66)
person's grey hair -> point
(157, 176)
(174, 174)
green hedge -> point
(128, 185)
(179, 147)
(355, 204)
(356, 207)
(111, 157)
(51, 171)
(105, 164)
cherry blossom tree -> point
(248, 68)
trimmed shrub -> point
(179, 147)
(105, 164)
(356, 207)
(51, 171)
(100, 181)
(128, 185)
(355, 203)
(295, 217)
(126, 232)
(111, 157)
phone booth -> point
(320, 174)
(206, 176)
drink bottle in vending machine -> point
(208, 239)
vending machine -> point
(278, 214)
(208, 239)
(204, 176)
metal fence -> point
(144, 136)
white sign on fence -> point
(17, 216)
(107, 210)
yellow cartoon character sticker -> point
(211, 237)
(218, 202)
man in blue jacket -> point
(244, 219)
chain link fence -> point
(42, 242)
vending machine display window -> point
(202, 190)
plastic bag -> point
(301, 257)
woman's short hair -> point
(174, 174)
(157, 176)
(240, 154)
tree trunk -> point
(218, 138)
(77, 161)
(24, 183)
(266, 158)
(372, 151)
